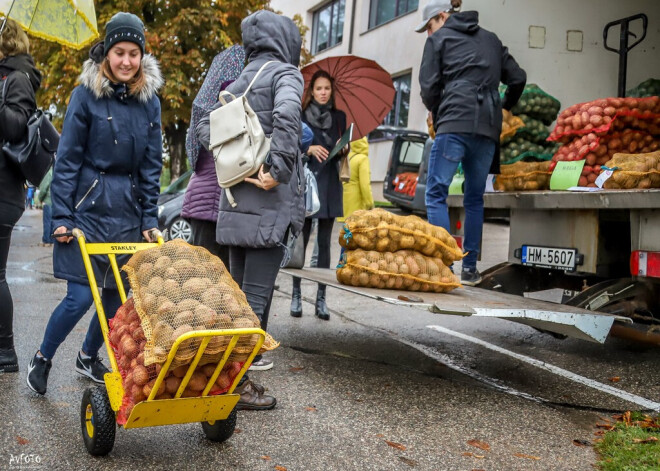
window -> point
(398, 116)
(382, 11)
(328, 26)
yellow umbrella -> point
(68, 22)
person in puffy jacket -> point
(357, 191)
(462, 67)
(271, 202)
(20, 81)
(105, 182)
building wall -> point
(572, 77)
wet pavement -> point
(374, 388)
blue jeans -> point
(46, 218)
(68, 313)
(476, 153)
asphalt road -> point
(378, 387)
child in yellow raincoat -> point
(357, 191)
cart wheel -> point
(220, 430)
(97, 421)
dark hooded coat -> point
(262, 218)
(462, 67)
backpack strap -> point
(255, 77)
(225, 93)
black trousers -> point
(255, 272)
(9, 216)
(324, 240)
(204, 236)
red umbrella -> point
(363, 90)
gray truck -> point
(598, 251)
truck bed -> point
(603, 199)
(468, 301)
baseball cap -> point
(432, 9)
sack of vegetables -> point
(521, 149)
(523, 176)
(128, 340)
(606, 114)
(380, 230)
(404, 269)
(510, 125)
(533, 130)
(633, 171)
(180, 288)
(650, 87)
(536, 103)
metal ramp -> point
(466, 301)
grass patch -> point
(632, 443)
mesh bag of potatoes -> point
(404, 269)
(180, 288)
(128, 340)
(382, 231)
(633, 171)
(524, 176)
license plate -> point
(549, 257)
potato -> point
(171, 273)
(137, 394)
(244, 323)
(155, 285)
(146, 389)
(413, 267)
(383, 244)
(182, 318)
(170, 286)
(195, 287)
(185, 268)
(407, 242)
(166, 310)
(162, 263)
(374, 280)
(179, 331)
(145, 272)
(197, 381)
(140, 375)
(373, 266)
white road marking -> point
(641, 401)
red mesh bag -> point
(128, 341)
(607, 114)
(598, 150)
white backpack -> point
(238, 142)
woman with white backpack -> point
(270, 203)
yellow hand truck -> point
(100, 405)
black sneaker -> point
(8, 360)
(470, 276)
(37, 377)
(92, 368)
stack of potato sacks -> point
(178, 288)
(384, 250)
(523, 155)
(597, 130)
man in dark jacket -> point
(462, 67)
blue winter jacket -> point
(109, 160)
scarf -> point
(320, 117)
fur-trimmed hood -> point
(93, 79)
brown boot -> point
(253, 397)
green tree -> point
(184, 35)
